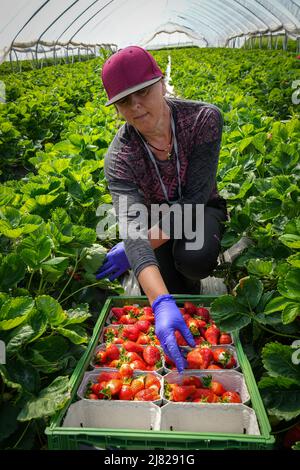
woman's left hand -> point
(115, 264)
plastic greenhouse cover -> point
(144, 22)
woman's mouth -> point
(142, 116)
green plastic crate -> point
(60, 437)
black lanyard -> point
(152, 158)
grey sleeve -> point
(132, 216)
(201, 172)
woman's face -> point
(144, 108)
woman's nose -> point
(135, 100)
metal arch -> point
(269, 12)
(233, 22)
(207, 27)
(252, 14)
(82, 13)
(93, 16)
(211, 16)
(197, 22)
(53, 22)
(281, 7)
(28, 21)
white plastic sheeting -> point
(144, 22)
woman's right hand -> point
(168, 319)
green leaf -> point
(290, 240)
(20, 336)
(59, 263)
(25, 374)
(228, 314)
(244, 143)
(8, 421)
(49, 354)
(30, 258)
(84, 235)
(249, 291)
(53, 310)
(49, 400)
(76, 139)
(27, 332)
(92, 257)
(275, 305)
(38, 243)
(290, 312)
(277, 360)
(294, 260)
(289, 286)
(12, 271)
(77, 315)
(281, 396)
(15, 311)
(46, 199)
(75, 333)
(260, 267)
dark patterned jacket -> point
(130, 172)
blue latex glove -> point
(115, 263)
(168, 319)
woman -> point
(166, 152)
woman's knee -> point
(196, 265)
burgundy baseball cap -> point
(129, 70)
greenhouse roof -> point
(149, 23)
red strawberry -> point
(106, 376)
(151, 380)
(131, 346)
(144, 395)
(125, 370)
(193, 326)
(181, 392)
(203, 313)
(138, 364)
(194, 359)
(113, 387)
(213, 385)
(224, 357)
(143, 339)
(207, 356)
(180, 339)
(231, 397)
(151, 355)
(126, 392)
(131, 310)
(92, 396)
(130, 332)
(192, 380)
(112, 352)
(214, 367)
(117, 312)
(225, 338)
(212, 335)
(127, 320)
(190, 308)
(204, 395)
(137, 384)
(143, 325)
(101, 356)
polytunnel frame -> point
(258, 7)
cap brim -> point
(127, 92)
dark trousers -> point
(182, 269)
